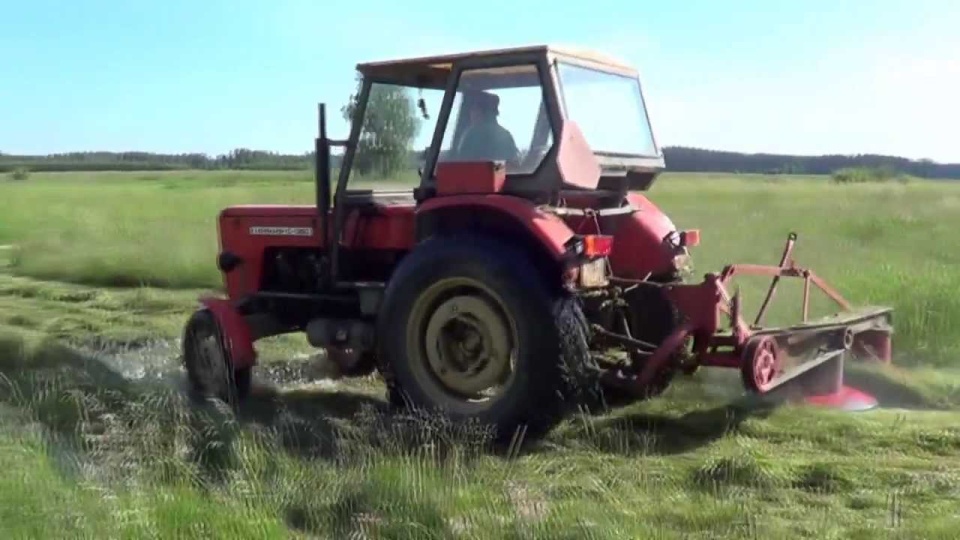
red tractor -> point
(498, 286)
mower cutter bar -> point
(774, 356)
(859, 320)
(767, 357)
(798, 370)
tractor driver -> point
(484, 138)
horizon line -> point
(309, 152)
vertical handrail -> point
(322, 177)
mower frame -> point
(761, 353)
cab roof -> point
(433, 71)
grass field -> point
(97, 441)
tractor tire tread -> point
(560, 377)
(239, 381)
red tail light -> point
(597, 245)
(690, 238)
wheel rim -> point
(766, 364)
(462, 343)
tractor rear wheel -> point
(210, 373)
(470, 328)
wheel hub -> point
(765, 368)
(467, 345)
(762, 363)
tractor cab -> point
(524, 121)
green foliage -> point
(20, 174)
(678, 159)
(237, 159)
(865, 175)
(389, 127)
(686, 159)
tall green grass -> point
(887, 244)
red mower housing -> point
(512, 284)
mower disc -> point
(761, 364)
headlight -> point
(593, 274)
(682, 262)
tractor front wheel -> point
(210, 373)
(469, 327)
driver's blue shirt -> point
(487, 140)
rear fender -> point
(237, 336)
(463, 211)
(639, 248)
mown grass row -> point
(86, 453)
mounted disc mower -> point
(524, 275)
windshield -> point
(609, 110)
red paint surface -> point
(874, 345)
(376, 227)
(372, 227)
(576, 162)
(638, 248)
(552, 231)
(460, 177)
(847, 399)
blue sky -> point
(807, 76)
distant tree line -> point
(391, 124)
(686, 159)
(240, 158)
(678, 159)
